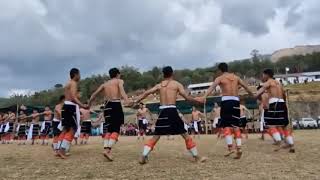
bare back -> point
(229, 84)
(111, 89)
(168, 90)
(70, 90)
(274, 89)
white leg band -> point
(146, 150)
(228, 139)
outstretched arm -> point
(212, 87)
(245, 86)
(94, 95)
(148, 92)
(183, 93)
(261, 90)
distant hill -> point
(298, 50)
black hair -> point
(74, 72)
(61, 98)
(113, 72)
(223, 67)
(141, 103)
(268, 72)
(167, 71)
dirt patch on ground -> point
(169, 160)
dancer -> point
(34, 129)
(56, 125)
(113, 91)
(46, 125)
(22, 128)
(276, 117)
(196, 121)
(9, 127)
(70, 112)
(169, 122)
(85, 125)
(142, 120)
(230, 106)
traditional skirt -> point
(169, 121)
(114, 116)
(230, 111)
(277, 114)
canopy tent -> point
(185, 107)
(27, 110)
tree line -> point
(136, 80)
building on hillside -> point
(197, 89)
(297, 78)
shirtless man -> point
(217, 120)
(196, 121)
(9, 128)
(3, 126)
(276, 116)
(22, 128)
(142, 119)
(85, 125)
(46, 125)
(70, 116)
(230, 106)
(34, 129)
(113, 91)
(55, 125)
(169, 122)
(243, 118)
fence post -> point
(205, 117)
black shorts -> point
(86, 127)
(22, 130)
(169, 123)
(230, 113)
(46, 129)
(243, 122)
(114, 116)
(142, 126)
(276, 115)
(69, 117)
(55, 130)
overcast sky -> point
(41, 40)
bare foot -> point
(278, 146)
(201, 159)
(292, 150)
(238, 155)
(143, 160)
(61, 154)
(229, 153)
(108, 156)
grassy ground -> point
(168, 161)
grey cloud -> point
(304, 17)
(250, 15)
(41, 40)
